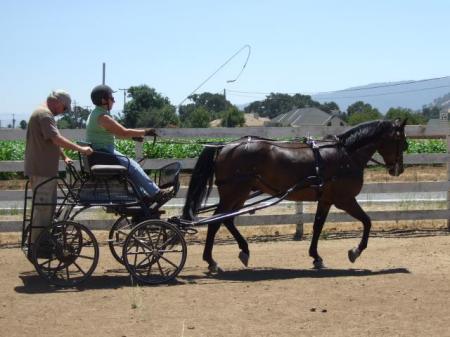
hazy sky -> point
(296, 46)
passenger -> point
(101, 130)
(43, 149)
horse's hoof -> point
(318, 264)
(244, 257)
(214, 269)
(353, 254)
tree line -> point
(148, 108)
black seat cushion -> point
(108, 170)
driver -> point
(101, 130)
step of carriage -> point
(131, 210)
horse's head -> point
(392, 146)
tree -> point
(360, 117)
(75, 119)
(23, 124)
(158, 118)
(232, 117)
(330, 107)
(213, 104)
(277, 103)
(413, 118)
(144, 101)
(431, 112)
(359, 106)
(359, 112)
(198, 118)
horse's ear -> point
(402, 125)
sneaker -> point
(163, 196)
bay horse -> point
(331, 172)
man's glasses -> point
(112, 99)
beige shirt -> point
(41, 155)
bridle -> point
(398, 154)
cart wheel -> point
(117, 235)
(65, 254)
(154, 252)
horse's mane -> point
(364, 133)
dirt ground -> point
(399, 287)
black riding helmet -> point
(99, 92)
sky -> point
(173, 46)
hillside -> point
(408, 94)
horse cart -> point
(66, 252)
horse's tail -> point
(201, 182)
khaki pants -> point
(43, 214)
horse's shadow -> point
(267, 274)
(33, 284)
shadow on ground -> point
(33, 284)
(266, 274)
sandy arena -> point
(400, 286)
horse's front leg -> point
(354, 209)
(244, 254)
(321, 214)
(213, 267)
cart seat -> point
(107, 170)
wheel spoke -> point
(67, 272)
(86, 257)
(159, 267)
(142, 262)
(79, 268)
(56, 269)
(47, 261)
(169, 262)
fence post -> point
(445, 126)
(299, 225)
(447, 129)
(138, 150)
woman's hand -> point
(150, 132)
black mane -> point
(364, 134)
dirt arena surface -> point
(400, 286)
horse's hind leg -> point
(321, 214)
(207, 252)
(354, 209)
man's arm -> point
(65, 157)
(67, 144)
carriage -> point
(66, 253)
(154, 251)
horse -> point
(329, 172)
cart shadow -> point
(270, 274)
(34, 284)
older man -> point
(43, 149)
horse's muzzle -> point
(396, 170)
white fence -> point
(299, 217)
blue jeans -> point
(135, 172)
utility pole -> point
(14, 122)
(104, 73)
(225, 93)
(124, 98)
